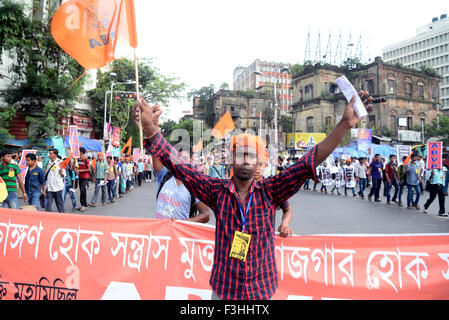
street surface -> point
(313, 213)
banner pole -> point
(138, 97)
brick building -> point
(412, 98)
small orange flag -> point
(89, 30)
(94, 162)
(66, 162)
(198, 146)
(408, 159)
(223, 126)
(128, 145)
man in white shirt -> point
(55, 181)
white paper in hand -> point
(348, 91)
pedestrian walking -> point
(339, 180)
(375, 174)
(111, 177)
(361, 174)
(55, 182)
(9, 173)
(349, 174)
(101, 168)
(436, 177)
(391, 174)
(83, 171)
(34, 180)
(70, 184)
(412, 171)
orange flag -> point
(198, 146)
(408, 159)
(128, 145)
(89, 30)
(66, 162)
(94, 163)
(223, 126)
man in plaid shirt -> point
(244, 259)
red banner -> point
(23, 165)
(434, 155)
(74, 142)
(66, 256)
(115, 139)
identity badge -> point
(240, 246)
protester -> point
(217, 170)
(70, 184)
(9, 173)
(244, 259)
(34, 180)
(83, 171)
(339, 180)
(148, 169)
(110, 178)
(375, 174)
(436, 177)
(349, 174)
(391, 175)
(325, 177)
(361, 174)
(101, 169)
(55, 182)
(413, 179)
(140, 170)
(402, 180)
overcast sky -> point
(202, 41)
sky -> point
(202, 41)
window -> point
(391, 86)
(409, 123)
(310, 124)
(421, 91)
(408, 89)
(372, 121)
(434, 94)
(393, 122)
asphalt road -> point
(313, 213)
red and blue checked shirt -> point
(255, 279)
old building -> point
(412, 98)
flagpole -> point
(138, 97)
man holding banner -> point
(244, 259)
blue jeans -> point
(410, 195)
(111, 189)
(11, 200)
(401, 189)
(362, 186)
(346, 190)
(34, 198)
(394, 184)
(72, 196)
(58, 198)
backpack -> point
(193, 209)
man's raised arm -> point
(202, 186)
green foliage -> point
(286, 123)
(6, 116)
(42, 72)
(154, 87)
(206, 100)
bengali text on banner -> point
(53, 256)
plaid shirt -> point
(231, 278)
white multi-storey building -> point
(430, 47)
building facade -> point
(412, 98)
(430, 48)
(264, 76)
(41, 10)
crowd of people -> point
(42, 187)
(352, 174)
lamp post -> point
(279, 71)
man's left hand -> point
(350, 118)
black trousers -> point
(436, 189)
(83, 191)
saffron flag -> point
(66, 162)
(223, 126)
(89, 30)
(198, 146)
(128, 146)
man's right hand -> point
(147, 116)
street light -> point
(281, 70)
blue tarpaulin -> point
(89, 144)
(384, 150)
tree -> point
(206, 100)
(42, 72)
(154, 87)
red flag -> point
(89, 30)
